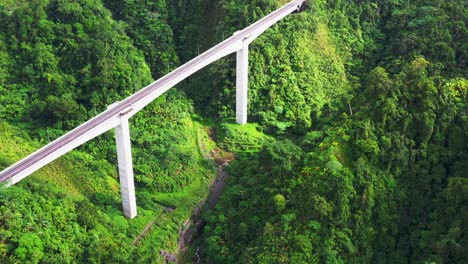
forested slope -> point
(367, 105)
(61, 63)
(357, 151)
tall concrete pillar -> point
(124, 156)
(242, 78)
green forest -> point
(356, 150)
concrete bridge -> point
(118, 114)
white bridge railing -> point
(117, 115)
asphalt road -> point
(106, 115)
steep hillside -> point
(356, 149)
(63, 62)
(367, 103)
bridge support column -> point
(242, 78)
(124, 156)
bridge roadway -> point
(109, 119)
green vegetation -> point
(61, 63)
(245, 139)
(356, 149)
(366, 106)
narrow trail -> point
(194, 225)
(144, 232)
(150, 224)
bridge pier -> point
(124, 157)
(242, 78)
(118, 117)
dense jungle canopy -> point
(356, 149)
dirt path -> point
(151, 223)
(143, 233)
(194, 225)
